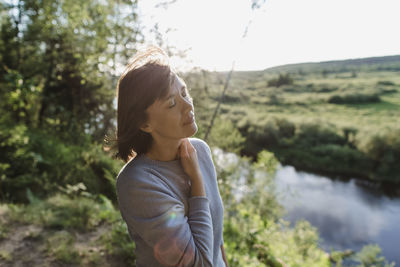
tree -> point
(69, 50)
(58, 62)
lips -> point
(190, 119)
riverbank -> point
(347, 214)
(342, 119)
(387, 186)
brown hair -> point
(147, 78)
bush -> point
(253, 233)
(267, 134)
(283, 79)
(226, 136)
(311, 134)
(119, 244)
(65, 218)
(356, 98)
(340, 159)
(231, 99)
(386, 83)
(369, 256)
(41, 162)
(63, 212)
(384, 150)
(60, 246)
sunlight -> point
(282, 32)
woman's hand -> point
(190, 164)
(189, 161)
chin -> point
(193, 129)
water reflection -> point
(346, 215)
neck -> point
(164, 151)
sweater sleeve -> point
(207, 156)
(150, 210)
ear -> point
(146, 128)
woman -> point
(167, 191)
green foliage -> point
(226, 136)
(267, 161)
(19, 98)
(356, 98)
(5, 255)
(321, 147)
(339, 130)
(58, 59)
(119, 244)
(283, 79)
(369, 257)
(311, 134)
(267, 133)
(63, 212)
(60, 246)
(3, 231)
(253, 233)
(55, 57)
(386, 83)
(33, 159)
(384, 150)
(65, 217)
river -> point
(346, 214)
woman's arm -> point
(150, 210)
(224, 256)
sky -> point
(280, 32)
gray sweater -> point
(169, 227)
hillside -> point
(339, 118)
(370, 63)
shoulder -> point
(136, 174)
(203, 151)
(200, 144)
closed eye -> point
(184, 91)
(172, 103)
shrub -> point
(63, 212)
(41, 162)
(283, 79)
(384, 150)
(118, 243)
(232, 99)
(385, 83)
(340, 159)
(356, 98)
(60, 245)
(262, 136)
(266, 134)
(253, 233)
(226, 136)
(369, 256)
(311, 134)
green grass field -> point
(358, 101)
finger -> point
(182, 149)
(179, 151)
(185, 148)
(190, 147)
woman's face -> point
(173, 116)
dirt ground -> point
(29, 245)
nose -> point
(187, 103)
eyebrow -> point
(169, 96)
(173, 94)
